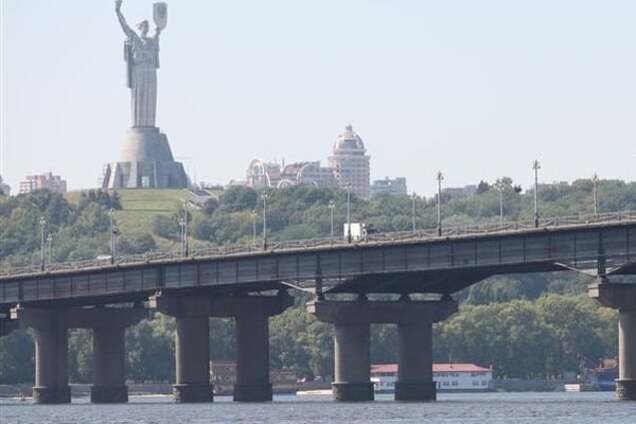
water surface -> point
(544, 408)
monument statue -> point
(141, 54)
(146, 160)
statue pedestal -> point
(146, 162)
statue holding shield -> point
(141, 54)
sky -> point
(476, 89)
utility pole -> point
(440, 178)
(349, 239)
(42, 238)
(49, 240)
(595, 193)
(186, 247)
(254, 216)
(413, 212)
(265, 195)
(113, 233)
(536, 166)
(332, 206)
(500, 188)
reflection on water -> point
(544, 408)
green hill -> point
(140, 206)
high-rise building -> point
(46, 181)
(390, 186)
(350, 163)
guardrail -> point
(388, 237)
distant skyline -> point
(476, 89)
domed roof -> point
(348, 142)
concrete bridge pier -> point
(351, 321)
(623, 298)
(51, 353)
(252, 338)
(252, 335)
(352, 362)
(415, 362)
(109, 353)
(192, 344)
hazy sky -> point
(477, 89)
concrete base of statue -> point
(146, 162)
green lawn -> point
(141, 206)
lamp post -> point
(500, 188)
(349, 238)
(595, 193)
(332, 206)
(413, 212)
(440, 178)
(536, 166)
(184, 224)
(254, 216)
(42, 239)
(49, 241)
(265, 196)
(113, 233)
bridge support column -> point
(252, 337)
(252, 362)
(192, 344)
(415, 362)
(623, 298)
(352, 365)
(109, 353)
(51, 353)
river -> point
(544, 408)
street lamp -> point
(595, 193)
(254, 216)
(536, 166)
(413, 214)
(184, 232)
(42, 238)
(440, 178)
(332, 206)
(349, 238)
(49, 240)
(265, 196)
(500, 186)
(113, 232)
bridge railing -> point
(276, 245)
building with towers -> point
(350, 163)
(348, 166)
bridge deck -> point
(399, 264)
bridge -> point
(239, 281)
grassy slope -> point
(140, 207)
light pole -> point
(413, 212)
(595, 193)
(49, 241)
(536, 166)
(42, 239)
(440, 178)
(500, 188)
(265, 196)
(349, 238)
(254, 216)
(113, 233)
(332, 206)
(184, 221)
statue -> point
(146, 159)
(141, 54)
